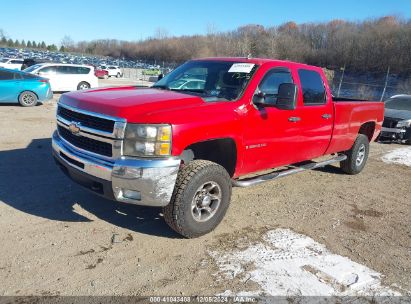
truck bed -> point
(349, 116)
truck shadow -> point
(32, 183)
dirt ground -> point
(58, 239)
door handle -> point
(294, 119)
(326, 116)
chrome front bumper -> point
(150, 180)
(393, 130)
(393, 133)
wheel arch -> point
(368, 129)
(222, 151)
(18, 96)
(37, 95)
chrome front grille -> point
(91, 133)
(390, 122)
(89, 121)
(86, 143)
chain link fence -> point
(369, 86)
(344, 82)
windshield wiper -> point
(161, 87)
(198, 91)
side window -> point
(81, 70)
(4, 75)
(28, 76)
(49, 70)
(312, 87)
(271, 81)
(17, 76)
(61, 70)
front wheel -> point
(200, 199)
(357, 156)
(118, 75)
(28, 99)
(83, 86)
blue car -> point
(24, 88)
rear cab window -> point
(313, 88)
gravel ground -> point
(58, 239)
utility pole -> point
(341, 80)
(385, 85)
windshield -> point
(211, 80)
(399, 103)
(32, 68)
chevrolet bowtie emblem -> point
(74, 128)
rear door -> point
(316, 116)
(10, 86)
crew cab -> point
(184, 149)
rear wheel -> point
(83, 86)
(357, 156)
(28, 99)
(200, 200)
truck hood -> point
(132, 103)
(400, 114)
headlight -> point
(147, 140)
(404, 123)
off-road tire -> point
(351, 164)
(28, 99)
(178, 213)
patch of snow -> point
(401, 156)
(290, 264)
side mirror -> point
(287, 96)
(160, 76)
(259, 98)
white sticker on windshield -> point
(241, 68)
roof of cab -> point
(259, 61)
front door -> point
(10, 86)
(271, 135)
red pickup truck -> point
(206, 127)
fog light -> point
(131, 194)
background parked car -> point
(397, 119)
(188, 84)
(113, 71)
(66, 77)
(101, 73)
(32, 61)
(9, 63)
(24, 88)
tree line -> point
(30, 44)
(369, 45)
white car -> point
(66, 77)
(10, 63)
(112, 70)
